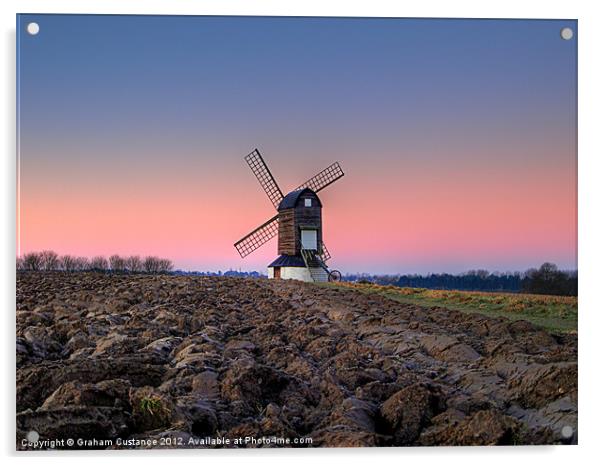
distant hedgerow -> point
(48, 260)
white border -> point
(590, 212)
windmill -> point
(298, 225)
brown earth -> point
(117, 356)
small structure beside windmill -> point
(298, 225)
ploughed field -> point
(188, 359)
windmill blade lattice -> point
(324, 178)
(264, 176)
(325, 255)
(257, 237)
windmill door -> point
(309, 239)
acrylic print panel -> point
(171, 170)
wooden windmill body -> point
(298, 225)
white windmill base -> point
(310, 275)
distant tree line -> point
(48, 260)
(547, 279)
(235, 273)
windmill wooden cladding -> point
(292, 220)
(286, 232)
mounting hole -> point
(567, 432)
(33, 29)
(566, 33)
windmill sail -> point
(325, 254)
(257, 237)
(323, 178)
(264, 176)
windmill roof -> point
(290, 200)
(288, 260)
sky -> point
(457, 138)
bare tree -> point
(99, 264)
(68, 263)
(134, 264)
(151, 264)
(32, 261)
(20, 264)
(165, 265)
(82, 264)
(117, 263)
(50, 260)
